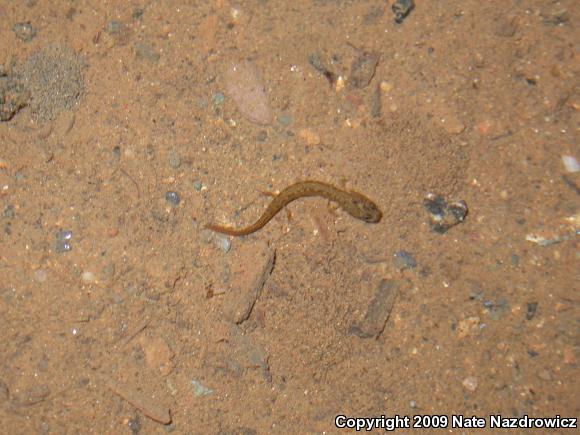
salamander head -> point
(363, 208)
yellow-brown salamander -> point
(354, 203)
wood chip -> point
(146, 405)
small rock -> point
(24, 31)
(571, 164)
(200, 390)
(114, 27)
(88, 277)
(174, 159)
(311, 138)
(386, 87)
(453, 125)
(401, 9)
(223, 243)
(284, 120)
(468, 326)
(443, 215)
(63, 239)
(545, 375)
(218, 98)
(404, 260)
(8, 212)
(484, 127)
(470, 383)
(137, 13)
(172, 198)
(244, 86)
(134, 425)
(532, 307)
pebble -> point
(174, 159)
(9, 212)
(63, 239)
(444, 215)
(285, 120)
(197, 185)
(88, 277)
(571, 164)
(470, 383)
(545, 375)
(24, 31)
(172, 198)
(404, 260)
(137, 13)
(532, 307)
(114, 27)
(453, 125)
(386, 87)
(218, 98)
(468, 326)
(401, 9)
(199, 390)
(244, 86)
(223, 243)
(134, 425)
(310, 137)
(484, 127)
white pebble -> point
(470, 383)
(571, 164)
(88, 277)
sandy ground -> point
(129, 126)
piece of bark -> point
(378, 311)
(146, 405)
(251, 270)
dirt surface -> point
(128, 126)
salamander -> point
(354, 203)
